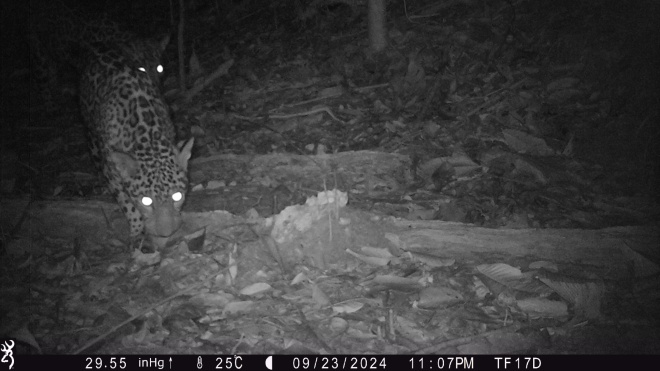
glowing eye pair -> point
(148, 201)
(159, 69)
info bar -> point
(329, 362)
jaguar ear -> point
(164, 41)
(127, 166)
(183, 153)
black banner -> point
(329, 362)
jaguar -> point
(132, 137)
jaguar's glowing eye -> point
(147, 201)
(177, 197)
(142, 69)
(160, 68)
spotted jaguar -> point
(131, 133)
(133, 136)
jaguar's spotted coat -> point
(131, 133)
(133, 136)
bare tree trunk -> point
(377, 25)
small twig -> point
(249, 15)
(307, 113)
(315, 99)
(134, 317)
(17, 227)
(222, 70)
(431, 95)
(325, 189)
(464, 340)
(182, 69)
(491, 102)
(363, 88)
(171, 13)
(291, 115)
